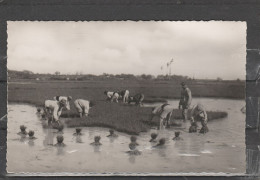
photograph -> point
(126, 97)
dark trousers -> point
(185, 114)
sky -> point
(203, 50)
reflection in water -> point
(79, 139)
(111, 139)
(178, 144)
(131, 159)
(60, 150)
(31, 142)
(22, 133)
(48, 137)
(96, 148)
(193, 146)
(22, 138)
(153, 143)
(39, 114)
(161, 150)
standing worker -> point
(185, 100)
(83, 106)
(198, 113)
(164, 111)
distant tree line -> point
(12, 75)
(79, 76)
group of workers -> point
(125, 96)
(198, 112)
(54, 107)
(164, 111)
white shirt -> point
(59, 98)
(199, 110)
(163, 112)
(111, 94)
(54, 106)
(83, 104)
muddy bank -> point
(125, 118)
(130, 120)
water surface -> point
(220, 150)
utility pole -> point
(170, 67)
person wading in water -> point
(185, 101)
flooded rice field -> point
(220, 150)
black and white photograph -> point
(126, 97)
